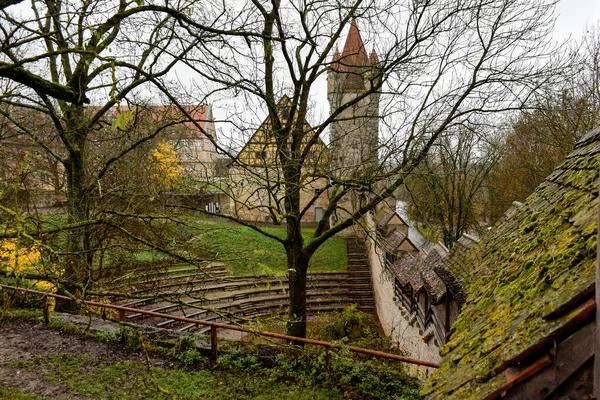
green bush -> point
(190, 357)
(185, 351)
(352, 327)
(240, 358)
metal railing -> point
(216, 325)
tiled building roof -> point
(383, 217)
(456, 260)
(407, 270)
(419, 271)
(392, 241)
(433, 283)
(530, 286)
(182, 126)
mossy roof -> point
(392, 241)
(419, 272)
(456, 259)
(525, 275)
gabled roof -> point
(530, 285)
(385, 215)
(283, 103)
(407, 269)
(396, 240)
(418, 270)
(434, 285)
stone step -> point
(248, 297)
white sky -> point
(573, 16)
(572, 19)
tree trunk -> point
(77, 263)
(297, 267)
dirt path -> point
(23, 340)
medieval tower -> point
(354, 134)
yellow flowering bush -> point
(22, 260)
(168, 170)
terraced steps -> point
(224, 298)
(165, 278)
(360, 275)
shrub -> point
(240, 358)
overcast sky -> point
(574, 16)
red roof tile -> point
(373, 58)
(354, 53)
(354, 50)
(200, 113)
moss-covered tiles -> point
(532, 264)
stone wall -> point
(396, 322)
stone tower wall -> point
(354, 134)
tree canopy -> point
(436, 65)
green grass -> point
(200, 218)
(249, 370)
(11, 394)
(247, 252)
(243, 250)
(88, 377)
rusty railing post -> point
(215, 325)
(45, 310)
(213, 343)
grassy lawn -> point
(243, 250)
(85, 376)
(247, 252)
(11, 394)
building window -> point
(318, 214)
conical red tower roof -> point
(373, 58)
(353, 60)
(354, 53)
(354, 50)
(336, 56)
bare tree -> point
(446, 191)
(543, 134)
(436, 65)
(64, 54)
